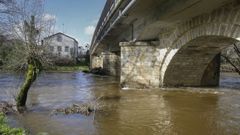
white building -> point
(62, 46)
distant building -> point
(62, 46)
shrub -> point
(6, 130)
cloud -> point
(89, 30)
(49, 17)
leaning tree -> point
(28, 25)
(32, 59)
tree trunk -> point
(31, 75)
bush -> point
(6, 130)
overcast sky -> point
(77, 18)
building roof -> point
(61, 34)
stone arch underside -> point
(199, 41)
(197, 63)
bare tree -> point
(235, 63)
(28, 25)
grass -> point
(69, 68)
(60, 69)
(5, 129)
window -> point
(66, 48)
(59, 38)
(51, 48)
(59, 48)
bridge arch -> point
(197, 63)
(197, 44)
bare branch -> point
(230, 62)
(237, 50)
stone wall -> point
(140, 64)
(96, 61)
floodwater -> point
(182, 111)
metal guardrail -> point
(112, 11)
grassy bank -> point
(5, 129)
(68, 68)
(58, 69)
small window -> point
(51, 48)
(59, 38)
(66, 48)
(59, 48)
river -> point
(179, 111)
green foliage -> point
(68, 68)
(6, 130)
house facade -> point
(62, 46)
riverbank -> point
(226, 68)
(59, 69)
(68, 68)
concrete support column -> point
(111, 63)
(140, 65)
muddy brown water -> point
(179, 111)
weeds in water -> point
(85, 108)
(6, 108)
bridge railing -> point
(111, 12)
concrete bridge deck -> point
(159, 43)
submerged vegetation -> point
(85, 108)
(6, 108)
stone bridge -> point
(156, 43)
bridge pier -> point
(108, 61)
(96, 61)
(148, 65)
(111, 63)
(140, 65)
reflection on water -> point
(188, 111)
